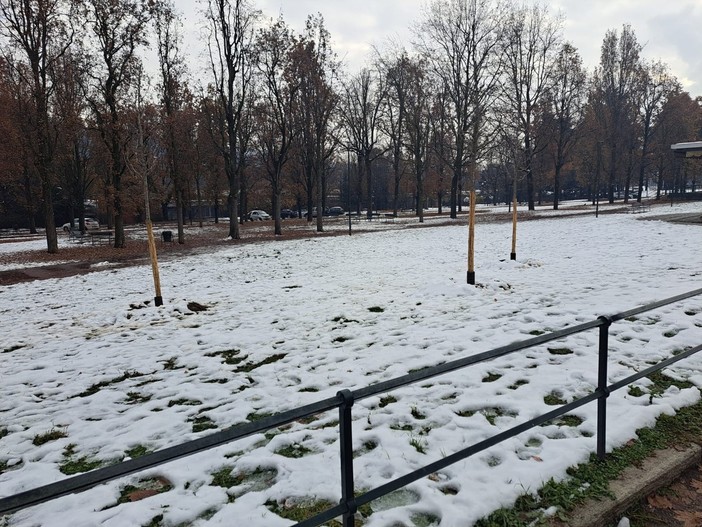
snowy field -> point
(289, 323)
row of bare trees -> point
(488, 96)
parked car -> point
(336, 211)
(259, 215)
(287, 213)
(90, 223)
(314, 212)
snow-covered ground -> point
(87, 358)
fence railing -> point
(344, 402)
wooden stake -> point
(513, 255)
(158, 299)
(471, 239)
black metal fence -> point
(345, 400)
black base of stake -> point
(471, 277)
(512, 256)
(158, 301)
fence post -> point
(345, 441)
(602, 389)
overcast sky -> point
(669, 30)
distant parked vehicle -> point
(259, 215)
(336, 211)
(90, 223)
(287, 213)
(314, 212)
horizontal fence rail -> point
(344, 402)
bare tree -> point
(567, 103)
(657, 84)
(18, 179)
(119, 28)
(616, 81)
(231, 24)
(315, 64)
(173, 92)
(75, 148)
(38, 30)
(680, 120)
(419, 128)
(362, 114)
(275, 111)
(532, 39)
(396, 71)
(460, 39)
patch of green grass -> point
(72, 466)
(402, 427)
(303, 509)
(424, 519)
(569, 420)
(560, 351)
(217, 381)
(365, 448)
(492, 377)
(491, 414)
(417, 414)
(170, 364)
(230, 357)
(310, 389)
(224, 478)
(340, 339)
(554, 399)
(534, 442)
(103, 384)
(376, 309)
(635, 391)
(183, 402)
(370, 445)
(51, 435)
(3, 432)
(517, 384)
(78, 466)
(662, 382)
(388, 399)
(344, 320)
(493, 461)
(3, 466)
(13, 348)
(294, 450)
(202, 423)
(257, 416)
(671, 333)
(137, 451)
(155, 521)
(465, 413)
(450, 490)
(249, 366)
(136, 397)
(419, 444)
(536, 332)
